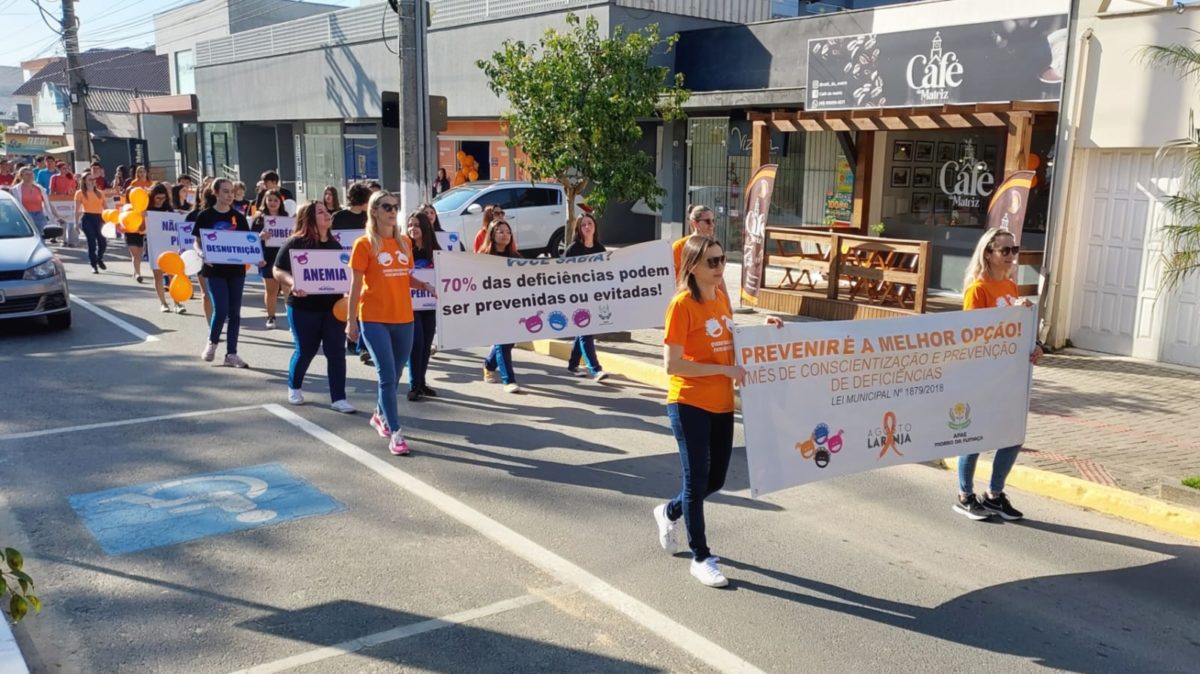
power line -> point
(46, 17)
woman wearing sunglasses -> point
(382, 262)
(698, 356)
(703, 223)
(989, 284)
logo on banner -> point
(820, 446)
(558, 321)
(889, 437)
(605, 315)
(966, 180)
(532, 323)
(582, 318)
(933, 76)
(960, 416)
(344, 258)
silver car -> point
(33, 281)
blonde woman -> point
(381, 262)
(702, 221)
(989, 284)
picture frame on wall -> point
(924, 151)
(942, 203)
(946, 152)
(922, 177)
(901, 176)
(922, 203)
(901, 205)
(902, 150)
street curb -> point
(1109, 500)
(12, 661)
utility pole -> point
(416, 146)
(77, 86)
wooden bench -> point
(799, 252)
(882, 270)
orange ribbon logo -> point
(889, 435)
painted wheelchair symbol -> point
(220, 495)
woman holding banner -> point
(89, 205)
(587, 242)
(698, 355)
(424, 242)
(225, 281)
(499, 241)
(272, 205)
(490, 212)
(311, 317)
(989, 284)
(160, 201)
(380, 295)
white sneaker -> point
(343, 406)
(667, 535)
(234, 360)
(600, 376)
(271, 323)
(577, 372)
(180, 309)
(210, 352)
(164, 308)
(295, 396)
(709, 573)
(512, 388)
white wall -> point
(1127, 103)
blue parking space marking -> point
(154, 514)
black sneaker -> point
(365, 357)
(426, 391)
(999, 505)
(102, 265)
(414, 395)
(968, 506)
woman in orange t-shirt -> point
(989, 284)
(381, 262)
(89, 204)
(698, 354)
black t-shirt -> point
(578, 248)
(211, 218)
(284, 262)
(345, 219)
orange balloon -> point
(181, 286)
(110, 215)
(1033, 162)
(460, 154)
(170, 263)
(139, 198)
(131, 221)
(459, 179)
(341, 309)
(473, 175)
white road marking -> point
(395, 634)
(119, 322)
(669, 630)
(124, 422)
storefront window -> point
(324, 156)
(220, 149)
(941, 178)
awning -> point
(66, 149)
(924, 118)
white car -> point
(537, 212)
(33, 282)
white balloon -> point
(290, 206)
(191, 262)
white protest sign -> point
(63, 207)
(346, 237)
(487, 299)
(450, 241)
(280, 227)
(230, 246)
(321, 272)
(421, 299)
(831, 398)
(166, 231)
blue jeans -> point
(312, 329)
(226, 294)
(585, 348)
(705, 446)
(39, 220)
(500, 359)
(91, 223)
(1002, 465)
(390, 345)
(424, 327)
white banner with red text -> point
(487, 299)
(831, 398)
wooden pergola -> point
(1016, 116)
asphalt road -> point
(518, 535)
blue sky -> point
(103, 23)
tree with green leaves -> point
(18, 585)
(576, 99)
(1182, 235)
